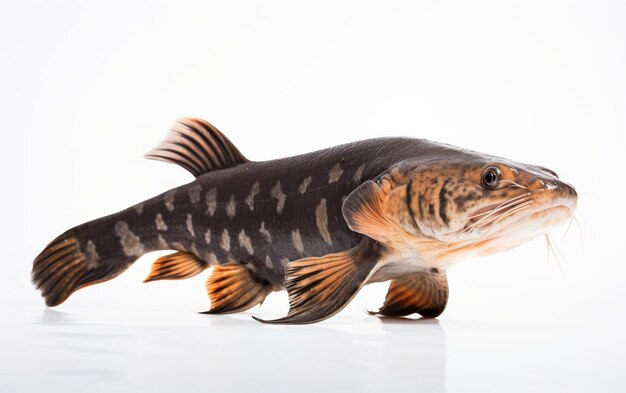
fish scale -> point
(320, 225)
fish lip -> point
(542, 213)
(487, 209)
(552, 208)
(542, 209)
(568, 202)
(511, 229)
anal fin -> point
(425, 293)
(320, 287)
(233, 288)
(176, 266)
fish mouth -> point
(514, 223)
(522, 207)
(527, 224)
(550, 215)
(495, 212)
(515, 229)
(501, 225)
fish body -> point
(321, 224)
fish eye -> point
(491, 177)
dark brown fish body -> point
(188, 217)
(256, 217)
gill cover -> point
(379, 209)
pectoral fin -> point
(425, 293)
(319, 287)
(363, 211)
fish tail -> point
(80, 257)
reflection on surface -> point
(159, 350)
(234, 353)
(426, 352)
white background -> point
(86, 89)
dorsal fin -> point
(198, 147)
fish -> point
(320, 225)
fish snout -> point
(568, 190)
(554, 190)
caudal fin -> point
(64, 267)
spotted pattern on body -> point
(91, 255)
(169, 198)
(305, 184)
(268, 262)
(210, 200)
(335, 173)
(265, 233)
(297, 241)
(162, 243)
(138, 208)
(256, 188)
(321, 218)
(131, 243)
(194, 193)
(246, 242)
(231, 207)
(189, 224)
(358, 174)
(160, 223)
(225, 241)
(278, 194)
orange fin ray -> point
(425, 293)
(320, 287)
(62, 268)
(176, 266)
(364, 213)
(233, 288)
(197, 146)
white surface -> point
(87, 89)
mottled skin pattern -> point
(375, 157)
(321, 224)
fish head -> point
(479, 205)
